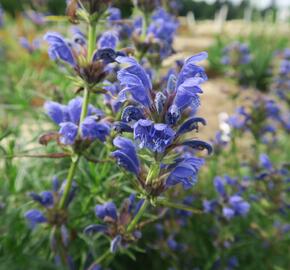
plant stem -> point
(140, 213)
(85, 105)
(92, 36)
(69, 180)
(166, 203)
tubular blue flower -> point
(108, 39)
(92, 130)
(45, 198)
(68, 117)
(126, 155)
(189, 79)
(220, 186)
(265, 162)
(35, 217)
(1, 16)
(136, 82)
(185, 172)
(132, 113)
(68, 132)
(190, 124)
(59, 48)
(114, 14)
(106, 210)
(115, 243)
(237, 207)
(156, 137)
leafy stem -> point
(164, 202)
(140, 213)
(69, 180)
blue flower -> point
(59, 48)
(236, 54)
(156, 137)
(1, 16)
(106, 210)
(126, 155)
(36, 17)
(136, 82)
(185, 172)
(220, 186)
(49, 200)
(265, 162)
(68, 117)
(34, 217)
(237, 206)
(29, 46)
(108, 39)
(114, 14)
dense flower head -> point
(273, 182)
(227, 205)
(49, 201)
(261, 117)
(157, 41)
(281, 75)
(236, 54)
(74, 52)
(67, 117)
(159, 121)
(114, 222)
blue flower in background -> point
(49, 201)
(29, 46)
(1, 16)
(236, 54)
(227, 205)
(68, 117)
(115, 222)
(281, 73)
(36, 17)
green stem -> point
(145, 25)
(69, 180)
(85, 106)
(103, 257)
(140, 213)
(92, 37)
(166, 203)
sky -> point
(261, 3)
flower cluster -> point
(273, 184)
(227, 205)
(236, 54)
(49, 200)
(159, 120)
(157, 40)
(281, 73)
(75, 54)
(67, 117)
(29, 46)
(116, 223)
(261, 118)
